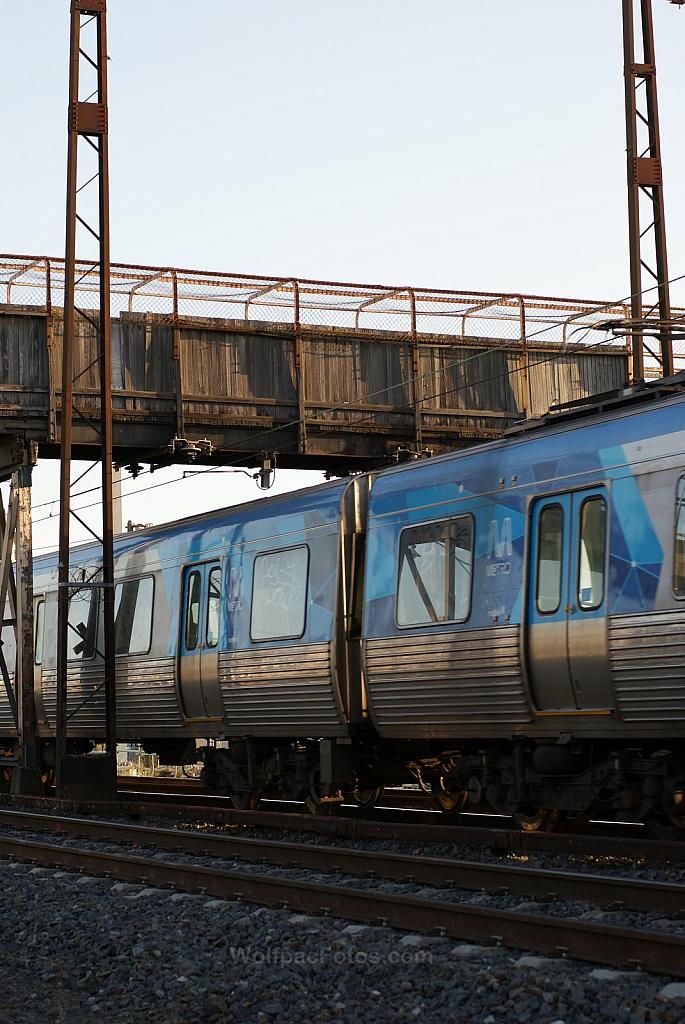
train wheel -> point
(539, 819)
(365, 799)
(449, 803)
(313, 798)
(247, 800)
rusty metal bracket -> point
(300, 376)
(88, 118)
(16, 591)
(415, 372)
(176, 355)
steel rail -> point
(548, 884)
(389, 807)
(650, 950)
(392, 797)
(507, 840)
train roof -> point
(573, 443)
(628, 398)
(323, 498)
(327, 496)
(608, 405)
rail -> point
(422, 827)
(649, 949)
(605, 890)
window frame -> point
(277, 551)
(96, 597)
(214, 567)
(586, 501)
(138, 579)
(40, 602)
(550, 611)
(417, 526)
(194, 570)
(679, 504)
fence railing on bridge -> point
(327, 375)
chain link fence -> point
(526, 320)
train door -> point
(199, 642)
(567, 643)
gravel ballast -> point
(78, 948)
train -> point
(503, 625)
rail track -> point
(393, 798)
(604, 890)
(540, 932)
(423, 828)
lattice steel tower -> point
(645, 192)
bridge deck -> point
(328, 376)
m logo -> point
(499, 539)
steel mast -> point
(645, 191)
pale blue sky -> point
(454, 144)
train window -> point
(591, 553)
(279, 594)
(193, 611)
(133, 602)
(214, 606)
(679, 541)
(82, 624)
(40, 628)
(550, 539)
(434, 582)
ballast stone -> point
(607, 974)
(675, 990)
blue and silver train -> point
(502, 624)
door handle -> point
(569, 609)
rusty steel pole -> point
(21, 488)
(106, 407)
(645, 189)
(87, 120)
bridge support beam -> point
(16, 599)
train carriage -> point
(230, 624)
(502, 625)
(526, 598)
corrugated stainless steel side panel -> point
(147, 700)
(439, 684)
(281, 691)
(647, 655)
(146, 694)
(85, 702)
(7, 726)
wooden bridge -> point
(220, 368)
